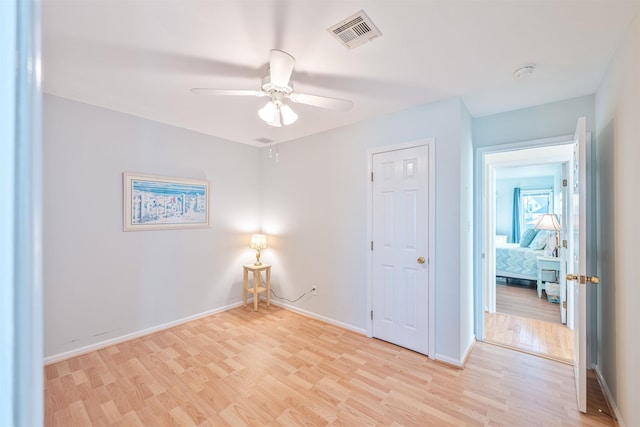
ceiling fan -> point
(278, 87)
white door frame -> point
(484, 262)
(21, 325)
(430, 144)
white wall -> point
(314, 210)
(617, 104)
(101, 283)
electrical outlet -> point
(314, 290)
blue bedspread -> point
(515, 261)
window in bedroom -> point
(534, 203)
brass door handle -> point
(421, 260)
(584, 279)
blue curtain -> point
(515, 218)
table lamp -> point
(549, 222)
(258, 241)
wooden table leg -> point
(268, 286)
(256, 295)
(245, 287)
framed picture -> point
(158, 202)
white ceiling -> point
(142, 57)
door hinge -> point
(371, 314)
(564, 183)
(371, 176)
(372, 245)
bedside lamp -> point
(258, 241)
(549, 222)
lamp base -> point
(257, 258)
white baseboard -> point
(102, 344)
(450, 361)
(468, 351)
(318, 317)
(609, 397)
(458, 363)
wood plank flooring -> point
(274, 367)
(523, 301)
(528, 323)
(551, 340)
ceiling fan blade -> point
(280, 67)
(227, 92)
(321, 101)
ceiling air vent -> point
(355, 30)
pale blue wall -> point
(466, 231)
(618, 248)
(102, 283)
(315, 209)
(544, 121)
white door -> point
(400, 282)
(577, 277)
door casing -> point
(481, 243)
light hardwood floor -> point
(528, 323)
(551, 340)
(523, 301)
(275, 367)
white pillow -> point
(539, 242)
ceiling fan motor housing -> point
(269, 87)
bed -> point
(514, 261)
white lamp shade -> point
(276, 122)
(268, 112)
(288, 115)
(258, 241)
(548, 222)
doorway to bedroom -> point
(524, 290)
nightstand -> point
(257, 282)
(547, 264)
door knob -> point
(584, 279)
(420, 260)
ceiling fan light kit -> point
(277, 85)
(277, 114)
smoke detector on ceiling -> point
(525, 71)
(355, 30)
